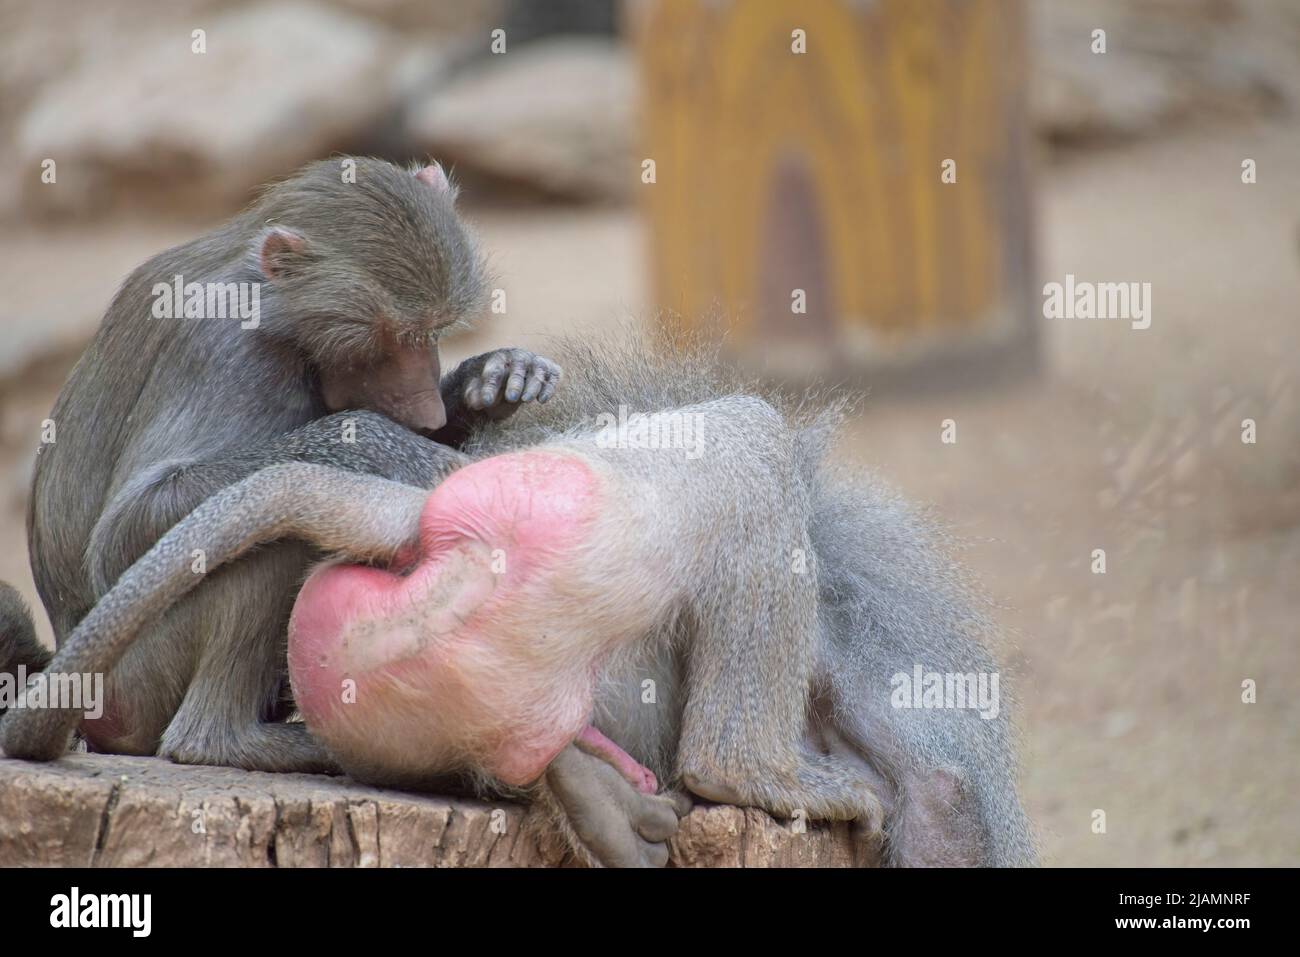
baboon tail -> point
(356, 515)
(18, 645)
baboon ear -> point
(279, 251)
(432, 175)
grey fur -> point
(888, 599)
(159, 414)
(774, 689)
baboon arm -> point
(155, 499)
(360, 517)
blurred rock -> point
(38, 46)
(1164, 63)
(281, 83)
(530, 20)
(423, 15)
(40, 43)
(556, 115)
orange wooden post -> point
(800, 200)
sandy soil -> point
(1129, 441)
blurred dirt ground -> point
(1131, 681)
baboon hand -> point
(497, 383)
(618, 825)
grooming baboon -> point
(360, 266)
(768, 599)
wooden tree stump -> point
(112, 811)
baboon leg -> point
(145, 689)
(752, 574)
(223, 718)
(939, 824)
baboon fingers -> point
(536, 380)
(552, 381)
(518, 377)
(511, 376)
(657, 820)
(617, 825)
